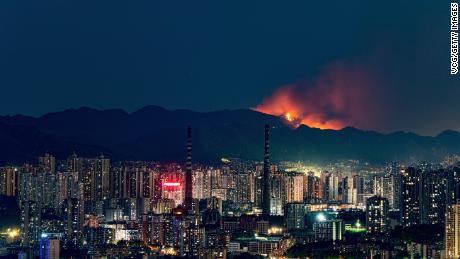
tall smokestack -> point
(188, 171)
(266, 174)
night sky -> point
(380, 65)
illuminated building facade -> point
(411, 193)
(294, 214)
(294, 187)
(452, 231)
(377, 215)
(328, 230)
(49, 247)
(312, 189)
(173, 191)
(9, 181)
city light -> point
(168, 251)
(320, 217)
(225, 160)
(12, 233)
(171, 184)
(298, 130)
(275, 230)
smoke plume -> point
(342, 95)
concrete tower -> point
(266, 174)
(188, 172)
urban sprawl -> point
(97, 208)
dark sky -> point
(211, 55)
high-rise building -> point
(41, 187)
(334, 181)
(244, 187)
(294, 187)
(47, 163)
(395, 197)
(325, 175)
(156, 231)
(173, 190)
(377, 215)
(453, 185)
(425, 192)
(294, 214)
(266, 174)
(312, 188)
(207, 182)
(433, 196)
(331, 184)
(358, 185)
(134, 182)
(188, 172)
(328, 230)
(200, 184)
(9, 181)
(101, 166)
(183, 232)
(95, 178)
(30, 222)
(49, 247)
(411, 193)
(73, 221)
(389, 186)
(352, 194)
(277, 189)
(452, 231)
(74, 163)
(382, 186)
(344, 186)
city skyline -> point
(181, 209)
(229, 129)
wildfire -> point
(341, 96)
(288, 117)
(293, 117)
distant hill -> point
(154, 133)
(24, 143)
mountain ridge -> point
(155, 133)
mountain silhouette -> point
(154, 133)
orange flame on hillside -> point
(340, 97)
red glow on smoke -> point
(341, 96)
